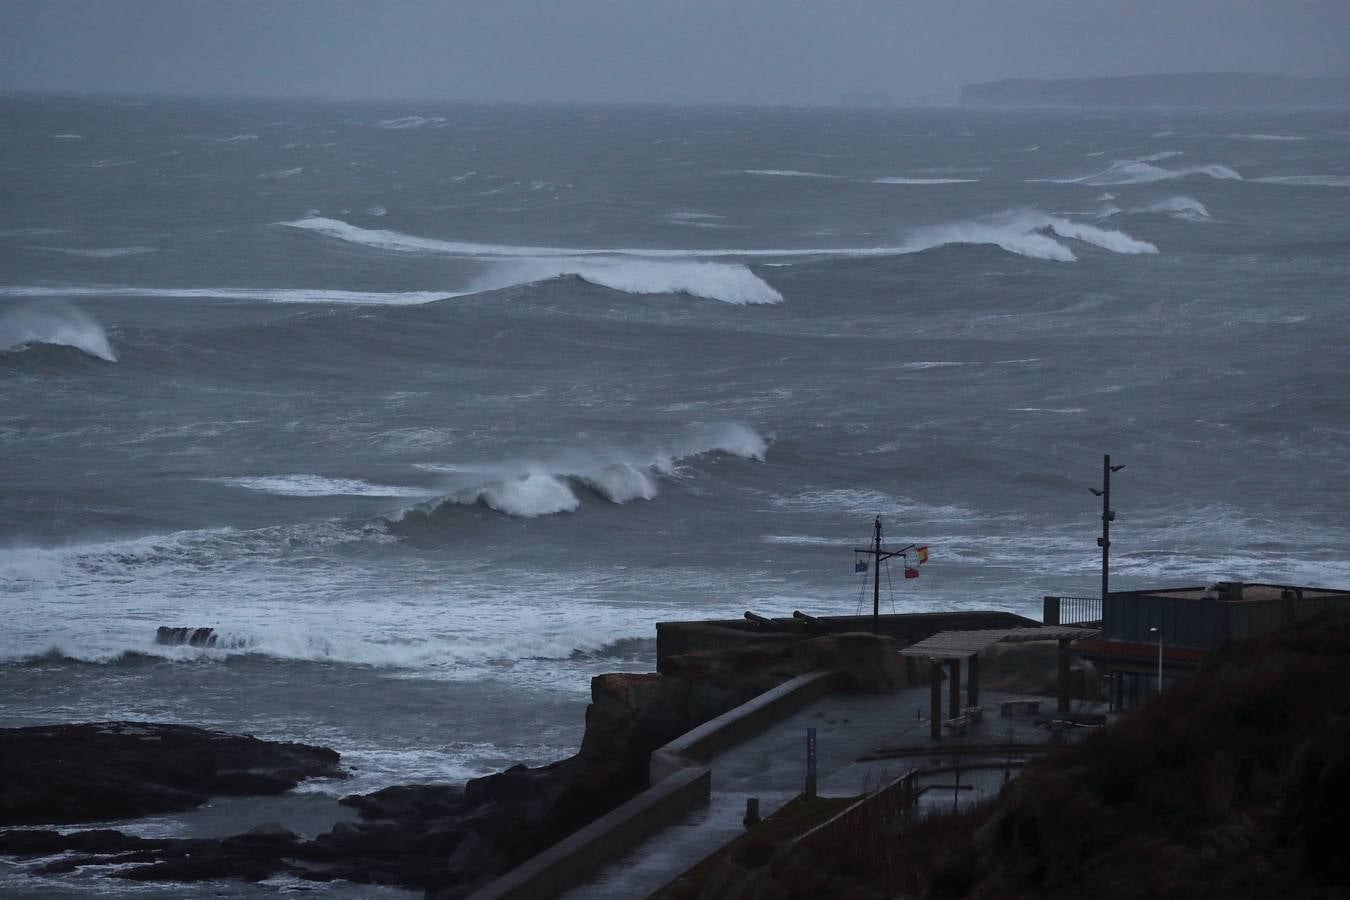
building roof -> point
(949, 644)
(1229, 591)
(1138, 652)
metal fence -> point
(1072, 611)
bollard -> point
(751, 812)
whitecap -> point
(1307, 180)
(410, 122)
(787, 173)
(621, 475)
(1028, 233)
(1268, 137)
(274, 295)
(900, 179)
(1142, 171)
(320, 486)
(54, 323)
(100, 252)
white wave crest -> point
(900, 179)
(101, 252)
(529, 495)
(54, 323)
(410, 122)
(283, 173)
(787, 173)
(1179, 207)
(273, 295)
(545, 487)
(621, 482)
(1342, 181)
(1267, 137)
(319, 486)
(727, 282)
(1028, 233)
(1142, 171)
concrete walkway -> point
(772, 767)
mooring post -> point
(935, 698)
(954, 688)
(751, 812)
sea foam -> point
(54, 323)
(319, 486)
(531, 488)
(1142, 171)
(1341, 181)
(1028, 233)
(273, 295)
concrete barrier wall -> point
(569, 861)
(745, 721)
(679, 782)
(674, 638)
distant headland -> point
(1226, 89)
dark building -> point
(1154, 637)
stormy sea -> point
(431, 411)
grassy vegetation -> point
(1232, 785)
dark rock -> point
(116, 770)
(409, 802)
(444, 839)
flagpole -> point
(1106, 524)
(876, 580)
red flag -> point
(911, 573)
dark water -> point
(434, 411)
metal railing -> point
(1072, 611)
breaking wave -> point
(729, 283)
(1342, 181)
(1178, 207)
(101, 252)
(1267, 137)
(1142, 171)
(54, 323)
(274, 295)
(528, 489)
(319, 486)
(410, 122)
(1028, 233)
(657, 270)
(898, 179)
(787, 173)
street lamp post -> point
(1158, 631)
(1108, 516)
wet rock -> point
(65, 774)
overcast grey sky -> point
(738, 51)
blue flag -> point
(860, 566)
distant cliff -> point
(1197, 89)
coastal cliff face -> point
(445, 839)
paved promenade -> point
(772, 767)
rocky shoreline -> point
(444, 839)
